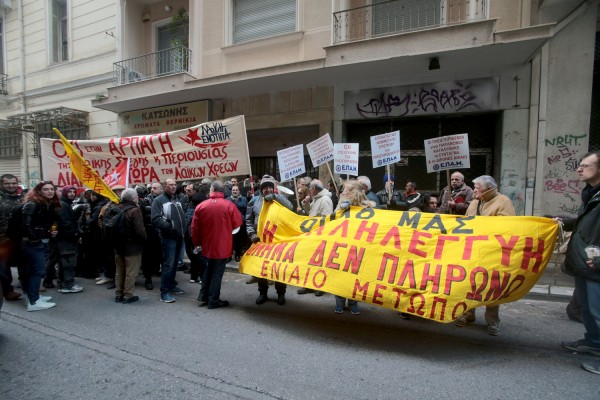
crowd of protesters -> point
(52, 234)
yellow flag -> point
(84, 171)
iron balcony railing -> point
(3, 84)
(397, 16)
(160, 63)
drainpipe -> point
(24, 139)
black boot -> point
(148, 283)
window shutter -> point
(256, 19)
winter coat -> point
(586, 231)
(321, 204)
(136, 231)
(37, 220)
(212, 226)
(7, 203)
(462, 196)
(492, 203)
(168, 217)
(254, 208)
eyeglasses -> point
(584, 166)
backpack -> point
(115, 226)
(14, 228)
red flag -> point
(119, 176)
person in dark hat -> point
(267, 193)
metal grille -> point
(413, 131)
(10, 142)
(594, 143)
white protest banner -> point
(320, 150)
(447, 152)
(291, 162)
(212, 149)
(345, 158)
(385, 149)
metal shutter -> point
(255, 19)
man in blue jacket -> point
(586, 267)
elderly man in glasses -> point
(460, 197)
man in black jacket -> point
(10, 196)
(64, 249)
(168, 219)
(584, 265)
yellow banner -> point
(430, 265)
(84, 172)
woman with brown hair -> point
(352, 195)
(39, 224)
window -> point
(257, 19)
(59, 33)
(10, 144)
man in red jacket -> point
(212, 226)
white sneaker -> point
(40, 305)
(74, 289)
(99, 278)
(44, 299)
(104, 280)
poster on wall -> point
(447, 152)
(385, 149)
(212, 149)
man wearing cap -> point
(266, 189)
(460, 197)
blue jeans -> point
(588, 294)
(171, 250)
(33, 268)
(211, 281)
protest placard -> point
(320, 150)
(385, 149)
(291, 162)
(447, 152)
(345, 158)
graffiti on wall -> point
(561, 186)
(425, 99)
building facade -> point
(516, 75)
(57, 55)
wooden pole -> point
(332, 178)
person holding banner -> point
(366, 186)
(460, 197)
(352, 195)
(267, 189)
(488, 202)
(321, 205)
(583, 259)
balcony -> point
(3, 84)
(398, 16)
(170, 61)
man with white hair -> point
(460, 196)
(365, 183)
(488, 202)
(320, 205)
